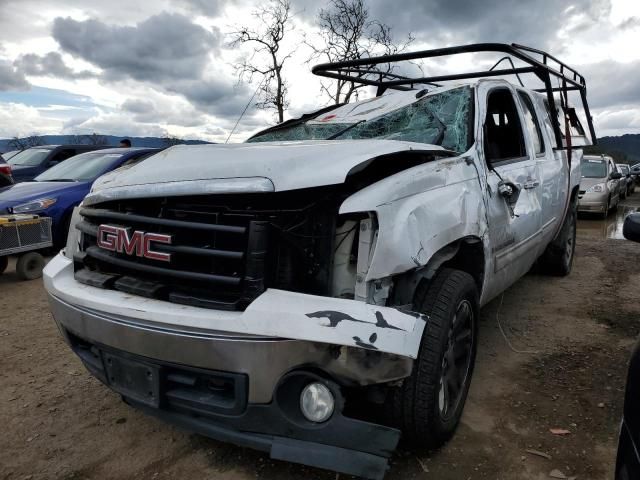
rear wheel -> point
(428, 406)
(607, 208)
(557, 259)
(29, 266)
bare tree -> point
(17, 143)
(268, 60)
(76, 139)
(95, 139)
(347, 33)
(20, 143)
(170, 141)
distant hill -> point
(624, 149)
(150, 142)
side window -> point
(62, 155)
(531, 121)
(134, 160)
(503, 137)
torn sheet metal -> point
(276, 313)
(420, 211)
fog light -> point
(316, 402)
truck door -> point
(552, 169)
(514, 220)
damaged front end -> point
(264, 294)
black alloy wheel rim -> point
(456, 361)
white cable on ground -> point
(528, 352)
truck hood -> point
(246, 167)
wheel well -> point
(470, 259)
(574, 193)
(465, 254)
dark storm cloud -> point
(51, 65)
(138, 106)
(162, 47)
(12, 78)
(448, 22)
(208, 8)
(214, 96)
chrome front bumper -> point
(284, 338)
(592, 202)
(260, 376)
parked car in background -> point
(55, 192)
(600, 185)
(631, 180)
(623, 184)
(31, 162)
(6, 177)
(635, 173)
(628, 461)
(9, 154)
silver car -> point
(600, 185)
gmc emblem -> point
(138, 243)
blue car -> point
(29, 163)
(57, 191)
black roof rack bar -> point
(570, 79)
(516, 51)
(546, 55)
(558, 89)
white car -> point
(279, 293)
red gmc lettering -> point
(158, 238)
(138, 243)
(107, 237)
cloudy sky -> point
(158, 67)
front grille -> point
(225, 250)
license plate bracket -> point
(134, 379)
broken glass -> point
(441, 118)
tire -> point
(4, 262)
(557, 259)
(607, 208)
(29, 266)
(420, 407)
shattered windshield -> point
(442, 118)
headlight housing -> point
(34, 205)
(597, 188)
(74, 236)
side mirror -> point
(631, 227)
(509, 191)
(615, 176)
(52, 163)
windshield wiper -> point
(60, 180)
(345, 130)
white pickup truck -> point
(314, 292)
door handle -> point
(531, 184)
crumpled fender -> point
(420, 211)
(276, 313)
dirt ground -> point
(563, 366)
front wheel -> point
(428, 405)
